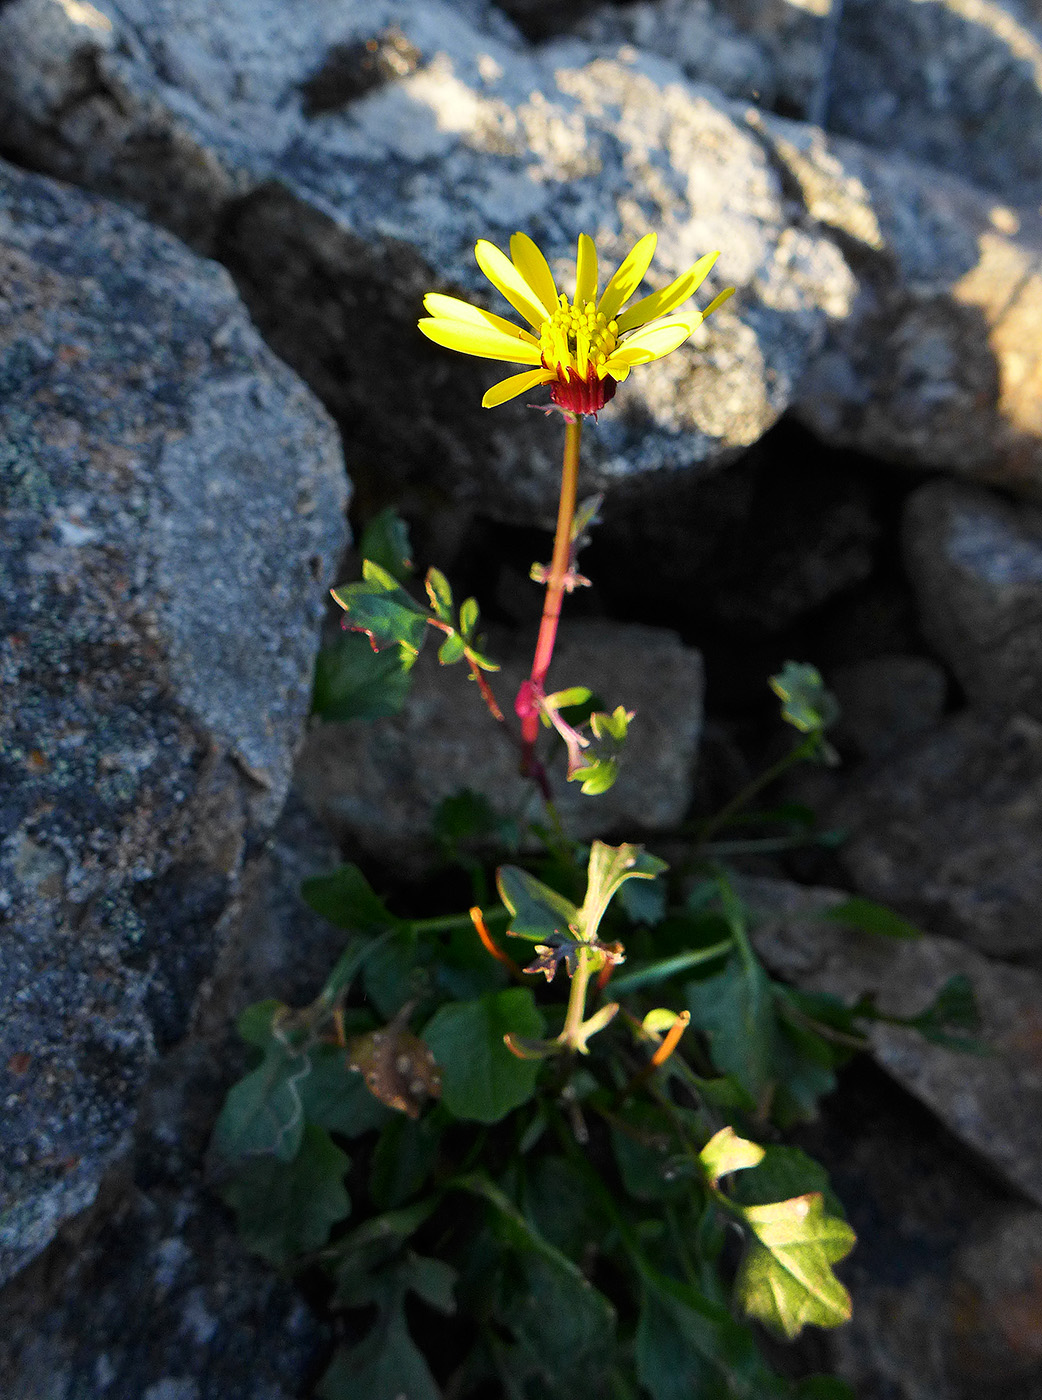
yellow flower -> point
(582, 348)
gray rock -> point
(151, 1290)
(955, 83)
(769, 52)
(886, 701)
(340, 182)
(938, 362)
(377, 785)
(172, 500)
(948, 831)
(992, 1103)
(976, 563)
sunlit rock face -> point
(172, 501)
(343, 159)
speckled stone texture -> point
(954, 83)
(339, 182)
(976, 562)
(171, 499)
(377, 785)
(939, 361)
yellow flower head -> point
(582, 348)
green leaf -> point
(597, 775)
(786, 1278)
(735, 1010)
(468, 617)
(870, 917)
(383, 610)
(335, 1097)
(563, 1327)
(609, 867)
(951, 1016)
(614, 726)
(451, 650)
(688, 1346)
(255, 1022)
(564, 699)
(481, 1080)
(286, 1209)
(782, 1173)
(644, 901)
(347, 900)
(352, 681)
(439, 591)
(385, 541)
(387, 1363)
(823, 1388)
(806, 703)
(726, 1152)
(404, 1157)
(263, 1114)
(644, 1146)
(536, 911)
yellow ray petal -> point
(516, 384)
(661, 303)
(507, 280)
(585, 270)
(653, 342)
(452, 309)
(629, 276)
(485, 341)
(718, 301)
(534, 268)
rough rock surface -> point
(172, 501)
(886, 702)
(992, 1103)
(770, 52)
(954, 83)
(976, 563)
(150, 1294)
(939, 362)
(949, 829)
(339, 182)
(377, 785)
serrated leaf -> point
(352, 681)
(726, 1152)
(783, 1173)
(263, 1114)
(596, 776)
(536, 911)
(383, 610)
(387, 1363)
(806, 702)
(385, 541)
(611, 726)
(286, 1209)
(870, 917)
(439, 591)
(468, 617)
(786, 1278)
(451, 650)
(481, 1080)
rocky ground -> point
(216, 224)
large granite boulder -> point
(172, 503)
(343, 158)
(954, 83)
(939, 361)
(976, 563)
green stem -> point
(555, 586)
(757, 785)
(576, 1012)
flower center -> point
(579, 338)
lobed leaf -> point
(786, 1278)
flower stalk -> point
(532, 691)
